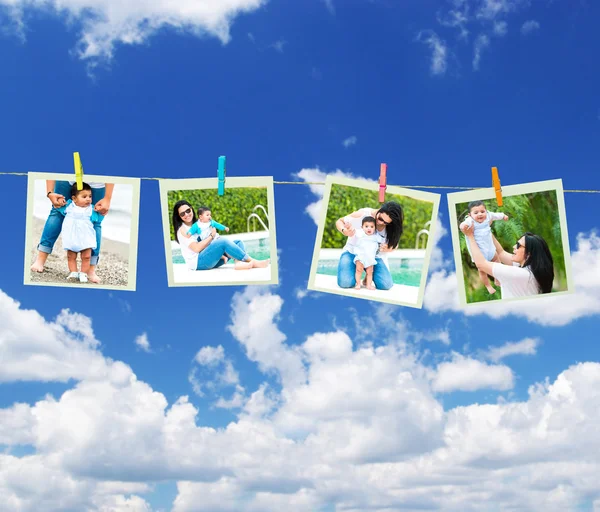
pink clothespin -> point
(382, 182)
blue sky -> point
(315, 402)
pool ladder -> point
(254, 216)
(424, 235)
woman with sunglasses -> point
(208, 253)
(389, 221)
(529, 270)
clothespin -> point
(221, 175)
(382, 182)
(496, 184)
(78, 171)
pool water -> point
(407, 272)
(259, 249)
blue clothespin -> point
(221, 175)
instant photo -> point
(82, 238)
(519, 250)
(372, 250)
(213, 240)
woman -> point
(209, 252)
(528, 271)
(389, 221)
(58, 192)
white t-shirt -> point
(356, 223)
(190, 257)
(93, 184)
(515, 281)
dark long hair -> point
(395, 229)
(539, 260)
(177, 222)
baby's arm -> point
(467, 223)
(498, 216)
(96, 217)
(218, 226)
(194, 230)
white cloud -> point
(210, 356)
(441, 294)
(529, 26)
(143, 343)
(279, 45)
(467, 374)
(527, 346)
(352, 426)
(350, 141)
(108, 23)
(439, 51)
(500, 28)
(330, 6)
(481, 43)
(312, 175)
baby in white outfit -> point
(366, 244)
(482, 220)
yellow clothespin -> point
(496, 184)
(78, 171)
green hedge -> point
(536, 213)
(344, 200)
(231, 210)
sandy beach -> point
(112, 268)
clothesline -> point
(579, 191)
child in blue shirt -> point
(203, 227)
(78, 234)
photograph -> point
(82, 237)
(213, 240)
(515, 251)
(372, 250)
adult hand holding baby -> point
(469, 231)
(57, 200)
(102, 206)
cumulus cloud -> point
(467, 374)
(104, 24)
(439, 51)
(481, 43)
(213, 371)
(315, 175)
(143, 343)
(441, 294)
(527, 346)
(350, 141)
(350, 425)
(529, 26)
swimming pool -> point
(406, 266)
(257, 244)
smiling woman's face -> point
(519, 254)
(186, 214)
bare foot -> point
(371, 286)
(260, 263)
(92, 277)
(224, 258)
(242, 265)
(491, 289)
(37, 267)
(357, 286)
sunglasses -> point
(185, 212)
(519, 245)
(381, 220)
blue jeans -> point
(54, 223)
(382, 279)
(211, 256)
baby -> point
(482, 220)
(366, 244)
(204, 226)
(78, 233)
